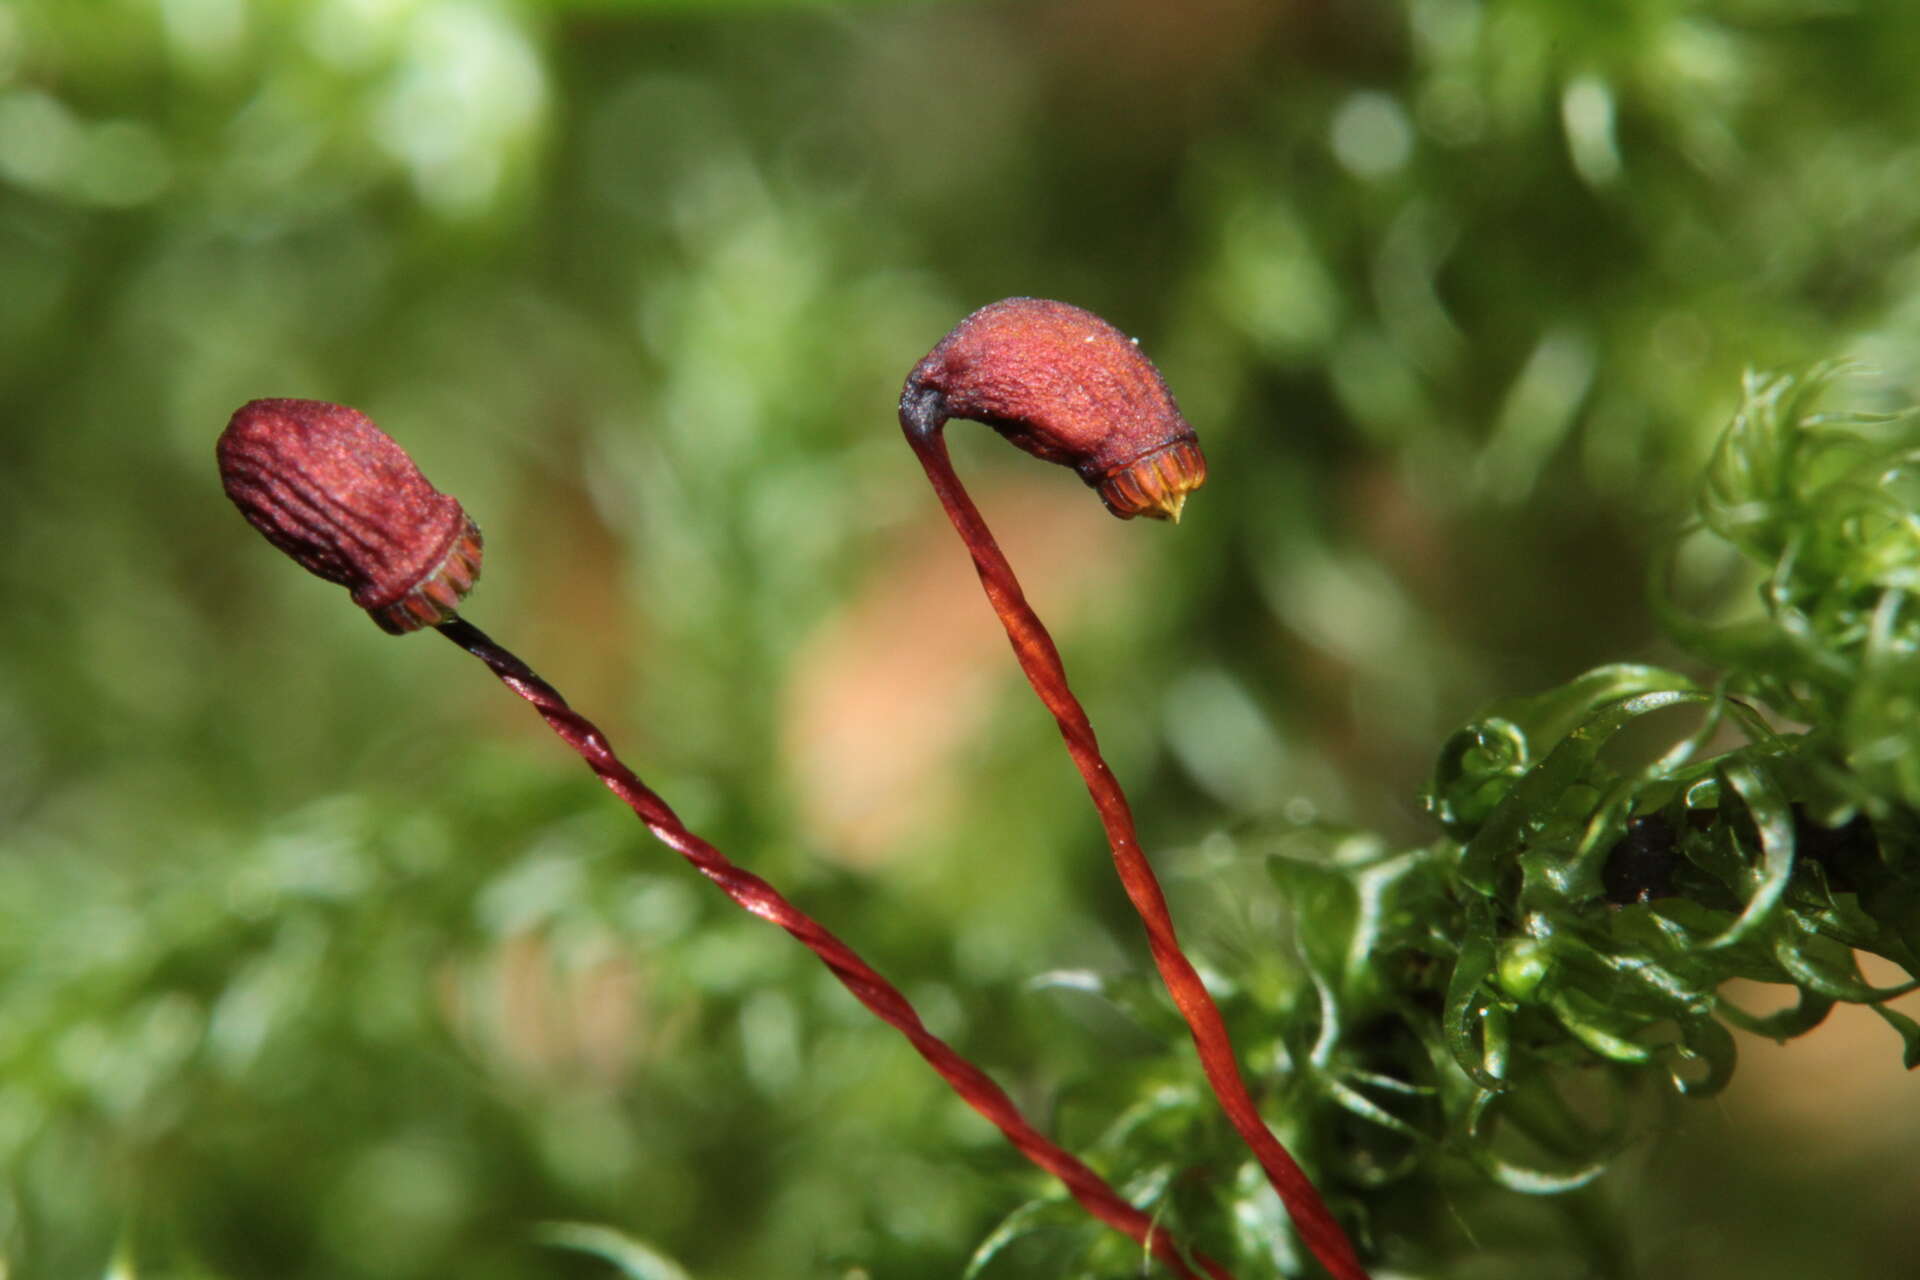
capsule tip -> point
(1156, 484)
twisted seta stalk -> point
(882, 997)
(1068, 387)
(329, 488)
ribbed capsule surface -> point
(1066, 386)
(333, 491)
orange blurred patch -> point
(575, 1019)
(888, 694)
(1837, 1085)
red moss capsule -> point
(1066, 386)
(335, 492)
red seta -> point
(1068, 387)
(325, 485)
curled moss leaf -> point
(1613, 852)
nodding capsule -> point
(1066, 386)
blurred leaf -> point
(633, 1259)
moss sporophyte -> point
(1068, 387)
(336, 493)
(340, 497)
(1575, 921)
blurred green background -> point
(318, 957)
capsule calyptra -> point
(332, 490)
(1066, 386)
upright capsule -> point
(332, 490)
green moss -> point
(1485, 1011)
